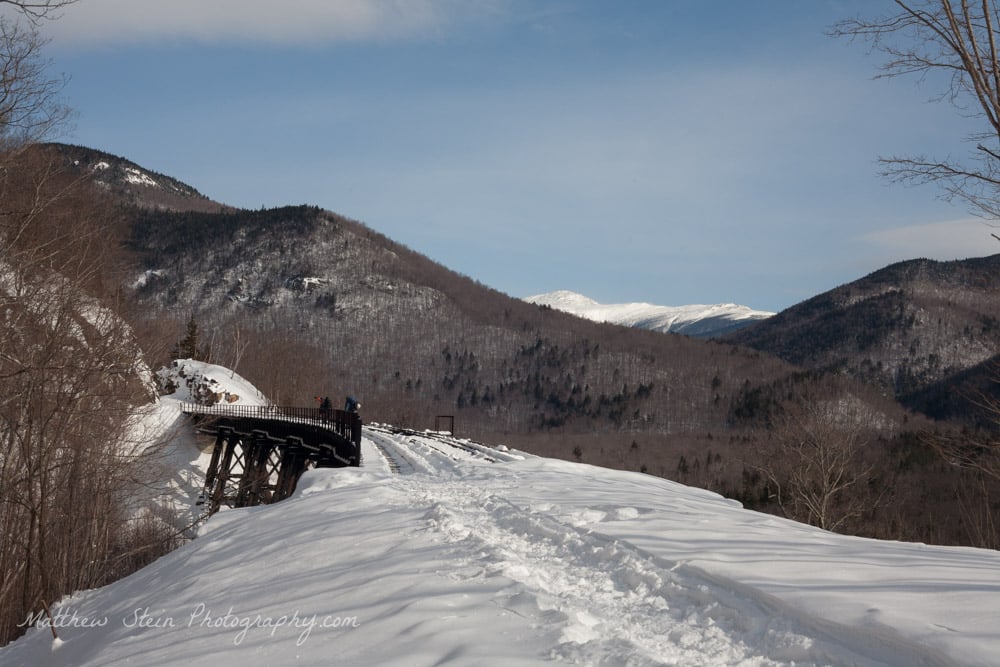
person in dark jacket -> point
(352, 405)
(325, 407)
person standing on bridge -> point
(325, 406)
(352, 405)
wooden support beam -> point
(250, 448)
(222, 479)
(260, 488)
(293, 463)
(213, 466)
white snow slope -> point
(692, 320)
(443, 552)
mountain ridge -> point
(903, 328)
(696, 320)
(129, 182)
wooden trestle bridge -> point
(261, 451)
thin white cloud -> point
(273, 21)
(947, 240)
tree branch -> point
(38, 10)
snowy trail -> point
(410, 451)
(615, 604)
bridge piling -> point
(260, 471)
(224, 470)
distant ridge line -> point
(697, 320)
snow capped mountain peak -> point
(563, 300)
(704, 321)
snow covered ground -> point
(439, 551)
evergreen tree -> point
(187, 347)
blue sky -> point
(674, 151)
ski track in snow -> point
(616, 605)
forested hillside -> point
(912, 330)
(367, 316)
(307, 303)
(127, 181)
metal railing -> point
(345, 424)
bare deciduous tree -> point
(29, 97)
(70, 373)
(70, 367)
(956, 39)
(979, 450)
(817, 469)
